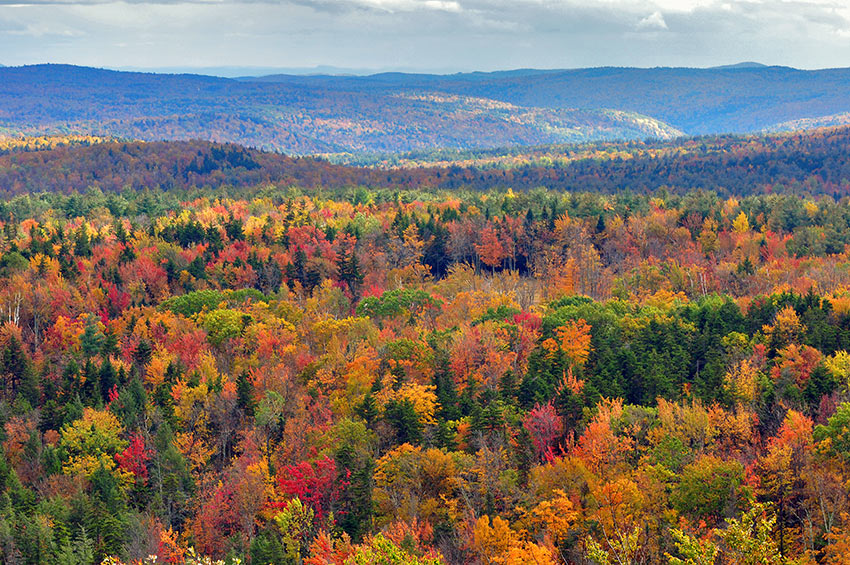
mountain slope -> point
(398, 112)
(296, 118)
(834, 120)
(737, 99)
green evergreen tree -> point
(108, 379)
(245, 395)
(267, 549)
(92, 340)
(402, 416)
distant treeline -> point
(813, 163)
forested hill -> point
(114, 166)
(740, 99)
(293, 118)
(397, 112)
(814, 162)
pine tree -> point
(92, 339)
(120, 232)
(295, 270)
(143, 353)
(110, 344)
(17, 369)
(91, 384)
(108, 379)
(245, 395)
(403, 418)
(82, 243)
(355, 466)
(349, 272)
(266, 548)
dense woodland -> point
(293, 117)
(348, 376)
(800, 163)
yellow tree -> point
(497, 543)
(91, 442)
(741, 225)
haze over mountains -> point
(396, 112)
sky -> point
(425, 35)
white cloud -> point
(408, 5)
(654, 21)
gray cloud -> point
(424, 34)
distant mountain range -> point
(248, 71)
(397, 112)
(738, 99)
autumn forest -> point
(629, 353)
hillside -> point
(816, 162)
(697, 101)
(293, 118)
(398, 112)
(833, 120)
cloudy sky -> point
(445, 35)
